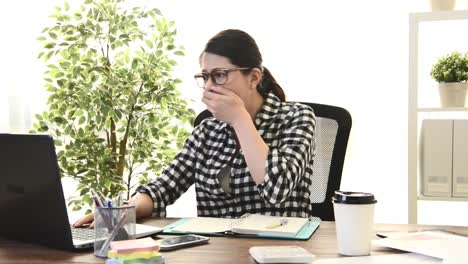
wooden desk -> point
(219, 250)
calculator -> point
(281, 254)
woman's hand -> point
(85, 221)
(143, 208)
(224, 104)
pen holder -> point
(112, 224)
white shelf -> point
(439, 15)
(415, 90)
(444, 199)
(442, 109)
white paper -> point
(382, 259)
(437, 244)
(205, 225)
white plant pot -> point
(442, 5)
(453, 94)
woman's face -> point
(242, 85)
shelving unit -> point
(415, 109)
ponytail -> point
(269, 84)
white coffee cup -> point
(354, 219)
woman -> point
(254, 156)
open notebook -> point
(251, 225)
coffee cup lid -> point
(353, 198)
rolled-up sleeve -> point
(176, 179)
(287, 160)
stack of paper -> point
(135, 251)
(383, 259)
(438, 243)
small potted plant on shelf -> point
(442, 5)
(451, 72)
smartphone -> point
(182, 241)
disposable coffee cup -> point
(354, 219)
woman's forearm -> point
(143, 204)
(255, 150)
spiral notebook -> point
(252, 225)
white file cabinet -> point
(460, 158)
(436, 154)
(444, 158)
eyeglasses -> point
(219, 76)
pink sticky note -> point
(134, 245)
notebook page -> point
(205, 225)
(259, 224)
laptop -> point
(32, 204)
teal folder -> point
(304, 234)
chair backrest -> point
(333, 125)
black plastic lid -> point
(353, 198)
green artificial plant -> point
(451, 68)
(114, 110)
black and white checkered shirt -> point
(288, 130)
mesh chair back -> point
(333, 125)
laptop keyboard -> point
(82, 233)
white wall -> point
(333, 52)
(348, 53)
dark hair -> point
(242, 50)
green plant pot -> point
(453, 94)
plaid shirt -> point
(288, 130)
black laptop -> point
(32, 204)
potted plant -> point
(114, 110)
(442, 5)
(451, 72)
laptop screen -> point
(32, 203)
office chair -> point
(333, 125)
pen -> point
(119, 199)
(102, 198)
(99, 203)
(96, 198)
(281, 222)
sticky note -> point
(134, 245)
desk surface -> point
(219, 250)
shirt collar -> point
(269, 109)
